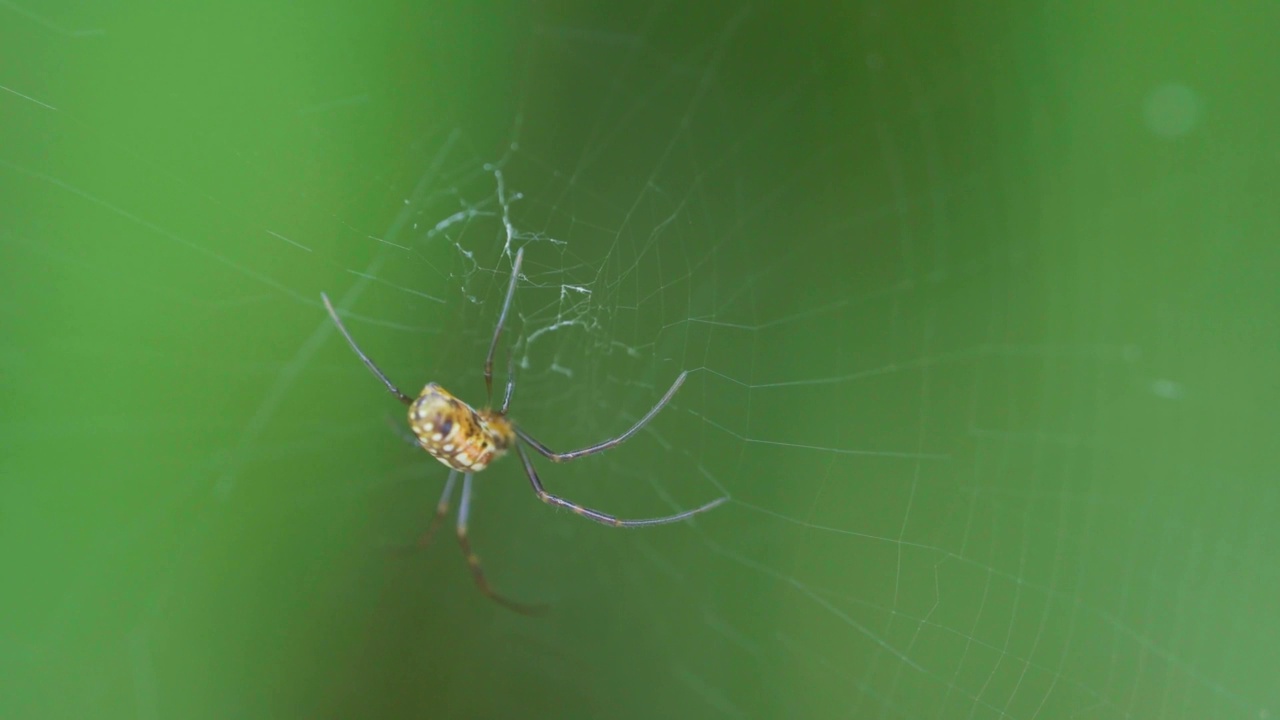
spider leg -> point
(511, 379)
(442, 508)
(391, 388)
(611, 442)
(497, 330)
(596, 515)
(477, 574)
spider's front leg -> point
(613, 442)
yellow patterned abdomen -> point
(456, 434)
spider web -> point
(989, 452)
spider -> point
(467, 440)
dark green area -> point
(978, 304)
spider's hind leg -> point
(477, 573)
(442, 508)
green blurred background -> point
(978, 303)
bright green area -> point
(979, 309)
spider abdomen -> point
(456, 434)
